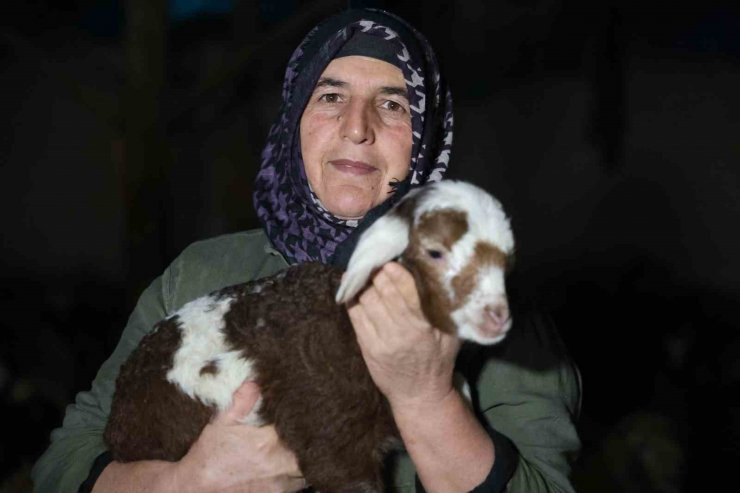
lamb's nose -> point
(499, 313)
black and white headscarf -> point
(293, 218)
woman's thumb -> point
(243, 401)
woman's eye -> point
(393, 106)
(331, 97)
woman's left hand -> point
(410, 361)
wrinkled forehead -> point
(357, 73)
(366, 33)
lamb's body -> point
(291, 334)
(315, 386)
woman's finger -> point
(398, 293)
(362, 325)
(294, 483)
(388, 317)
(244, 399)
(404, 283)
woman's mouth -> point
(352, 167)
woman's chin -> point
(350, 208)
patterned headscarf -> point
(294, 219)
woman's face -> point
(356, 134)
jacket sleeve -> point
(531, 393)
(75, 446)
(528, 390)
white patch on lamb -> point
(460, 256)
(201, 323)
(476, 318)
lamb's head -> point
(456, 240)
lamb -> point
(290, 333)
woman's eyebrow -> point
(386, 90)
(329, 82)
(394, 91)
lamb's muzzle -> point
(290, 333)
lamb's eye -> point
(435, 254)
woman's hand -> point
(412, 363)
(232, 456)
(409, 360)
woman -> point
(365, 116)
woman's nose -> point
(357, 123)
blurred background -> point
(609, 130)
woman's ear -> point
(385, 240)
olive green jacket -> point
(527, 389)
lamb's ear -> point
(385, 240)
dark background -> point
(609, 130)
